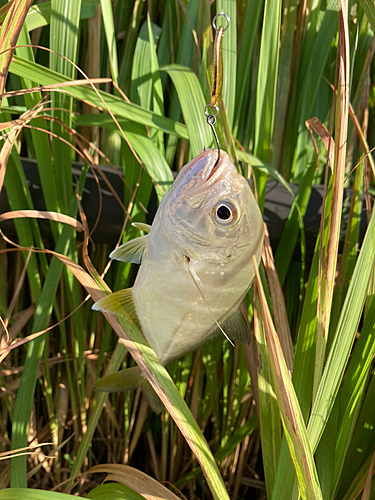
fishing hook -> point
(211, 120)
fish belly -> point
(175, 317)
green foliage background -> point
(280, 61)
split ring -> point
(210, 114)
(221, 14)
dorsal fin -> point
(142, 226)
(121, 303)
(131, 251)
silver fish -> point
(196, 261)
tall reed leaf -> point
(9, 32)
(329, 266)
(31, 494)
(44, 76)
(192, 104)
(35, 348)
(344, 337)
(110, 34)
(267, 79)
(290, 412)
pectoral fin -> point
(121, 303)
(236, 328)
(131, 251)
(142, 226)
(128, 379)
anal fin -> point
(121, 303)
(129, 379)
(124, 380)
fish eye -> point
(225, 213)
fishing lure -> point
(217, 85)
(217, 80)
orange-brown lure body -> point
(217, 85)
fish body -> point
(186, 232)
(196, 261)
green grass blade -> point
(262, 167)
(361, 445)
(313, 59)
(290, 411)
(288, 35)
(141, 79)
(44, 76)
(154, 161)
(99, 400)
(114, 491)
(110, 35)
(245, 57)
(40, 15)
(369, 8)
(270, 424)
(325, 454)
(157, 94)
(64, 29)
(31, 494)
(192, 104)
(267, 79)
(353, 390)
(19, 197)
(291, 230)
(40, 140)
(186, 50)
(64, 35)
(26, 390)
(344, 338)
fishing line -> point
(198, 283)
(217, 79)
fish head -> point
(210, 212)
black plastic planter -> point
(277, 206)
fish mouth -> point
(216, 163)
(202, 174)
